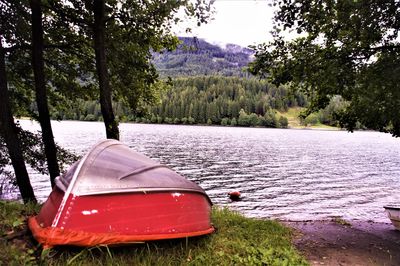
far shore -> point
(297, 127)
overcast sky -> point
(242, 22)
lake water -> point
(281, 173)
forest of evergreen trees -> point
(213, 100)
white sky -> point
(242, 22)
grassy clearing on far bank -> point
(292, 115)
(237, 241)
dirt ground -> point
(341, 243)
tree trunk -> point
(9, 132)
(112, 131)
(40, 87)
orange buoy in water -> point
(234, 195)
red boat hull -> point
(131, 216)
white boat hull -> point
(394, 215)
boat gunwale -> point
(145, 191)
(392, 208)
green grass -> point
(237, 241)
(16, 247)
(292, 115)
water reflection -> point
(288, 174)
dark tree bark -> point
(98, 8)
(9, 132)
(40, 88)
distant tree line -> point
(213, 100)
(224, 101)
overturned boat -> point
(114, 195)
(393, 213)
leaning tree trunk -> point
(40, 87)
(9, 132)
(112, 131)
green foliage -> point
(168, 120)
(225, 121)
(191, 120)
(329, 114)
(243, 119)
(64, 45)
(153, 119)
(177, 121)
(14, 251)
(203, 100)
(311, 119)
(283, 121)
(346, 48)
(34, 155)
(254, 120)
(214, 98)
(90, 117)
(270, 119)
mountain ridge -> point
(196, 56)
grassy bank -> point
(238, 241)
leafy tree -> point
(97, 8)
(233, 122)
(8, 132)
(52, 23)
(346, 48)
(270, 119)
(90, 117)
(283, 121)
(253, 120)
(328, 114)
(311, 119)
(24, 35)
(244, 119)
(37, 47)
(153, 118)
(34, 155)
(225, 121)
(123, 34)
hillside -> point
(196, 57)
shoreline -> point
(319, 127)
(292, 127)
(339, 242)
